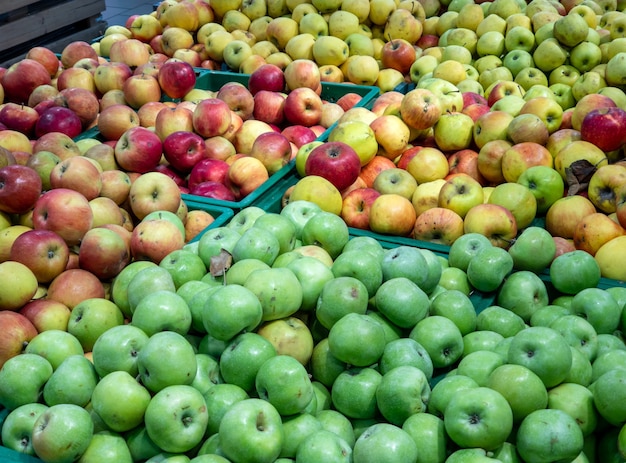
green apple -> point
(521, 387)
(607, 361)
(22, 379)
(184, 266)
(218, 400)
(324, 446)
(456, 306)
(284, 382)
(445, 389)
(278, 290)
(326, 230)
(549, 435)
(454, 278)
(365, 243)
(120, 401)
(471, 456)
(435, 269)
(408, 262)
(55, 346)
(297, 428)
(547, 314)
(176, 418)
(240, 270)
(402, 301)
(242, 358)
(428, 433)
(479, 364)
(231, 309)
(464, 248)
(117, 349)
(251, 430)
(92, 317)
(358, 134)
(609, 342)
(523, 293)
(481, 340)
(574, 271)
(354, 392)
(207, 373)
(581, 371)
(534, 249)
(385, 442)
(140, 445)
(213, 241)
(244, 219)
(339, 297)
(544, 351)
(489, 267)
(563, 95)
(160, 311)
(564, 74)
(608, 396)
(599, 308)
(333, 421)
(72, 382)
(196, 306)
(364, 266)
(312, 275)
(519, 38)
(441, 338)
(500, 320)
(518, 59)
(17, 428)
(119, 288)
(107, 446)
(299, 212)
(579, 333)
(257, 243)
(166, 359)
(549, 55)
(283, 228)
(357, 339)
(570, 30)
(62, 433)
(146, 281)
(405, 352)
(577, 401)
(324, 366)
(402, 392)
(478, 417)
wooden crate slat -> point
(11, 5)
(49, 20)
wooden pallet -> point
(51, 23)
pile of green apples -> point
(280, 337)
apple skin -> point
(176, 78)
(45, 252)
(20, 188)
(21, 78)
(183, 150)
(267, 77)
(59, 119)
(66, 212)
(19, 331)
(138, 150)
(335, 161)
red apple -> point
(178, 177)
(336, 161)
(84, 103)
(80, 174)
(19, 117)
(207, 169)
(114, 120)
(111, 76)
(219, 148)
(59, 119)
(140, 89)
(303, 106)
(138, 150)
(103, 252)
(299, 135)
(20, 188)
(245, 175)
(64, 211)
(273, 149)
(17, 331)
(213, 189)
(398, 54)
(212, 117)
(21, 78)
(46, 57)
(176, 78)
(75, 285)
(238, 98)
(269, 106)
(267, 77)
(44, 252)
(75, 51)
(173, 119)
(76, 77)
(154, 239)
(605, 128)
(183, 150)
(355, 210)
(46, 314)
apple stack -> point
(337, 345)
